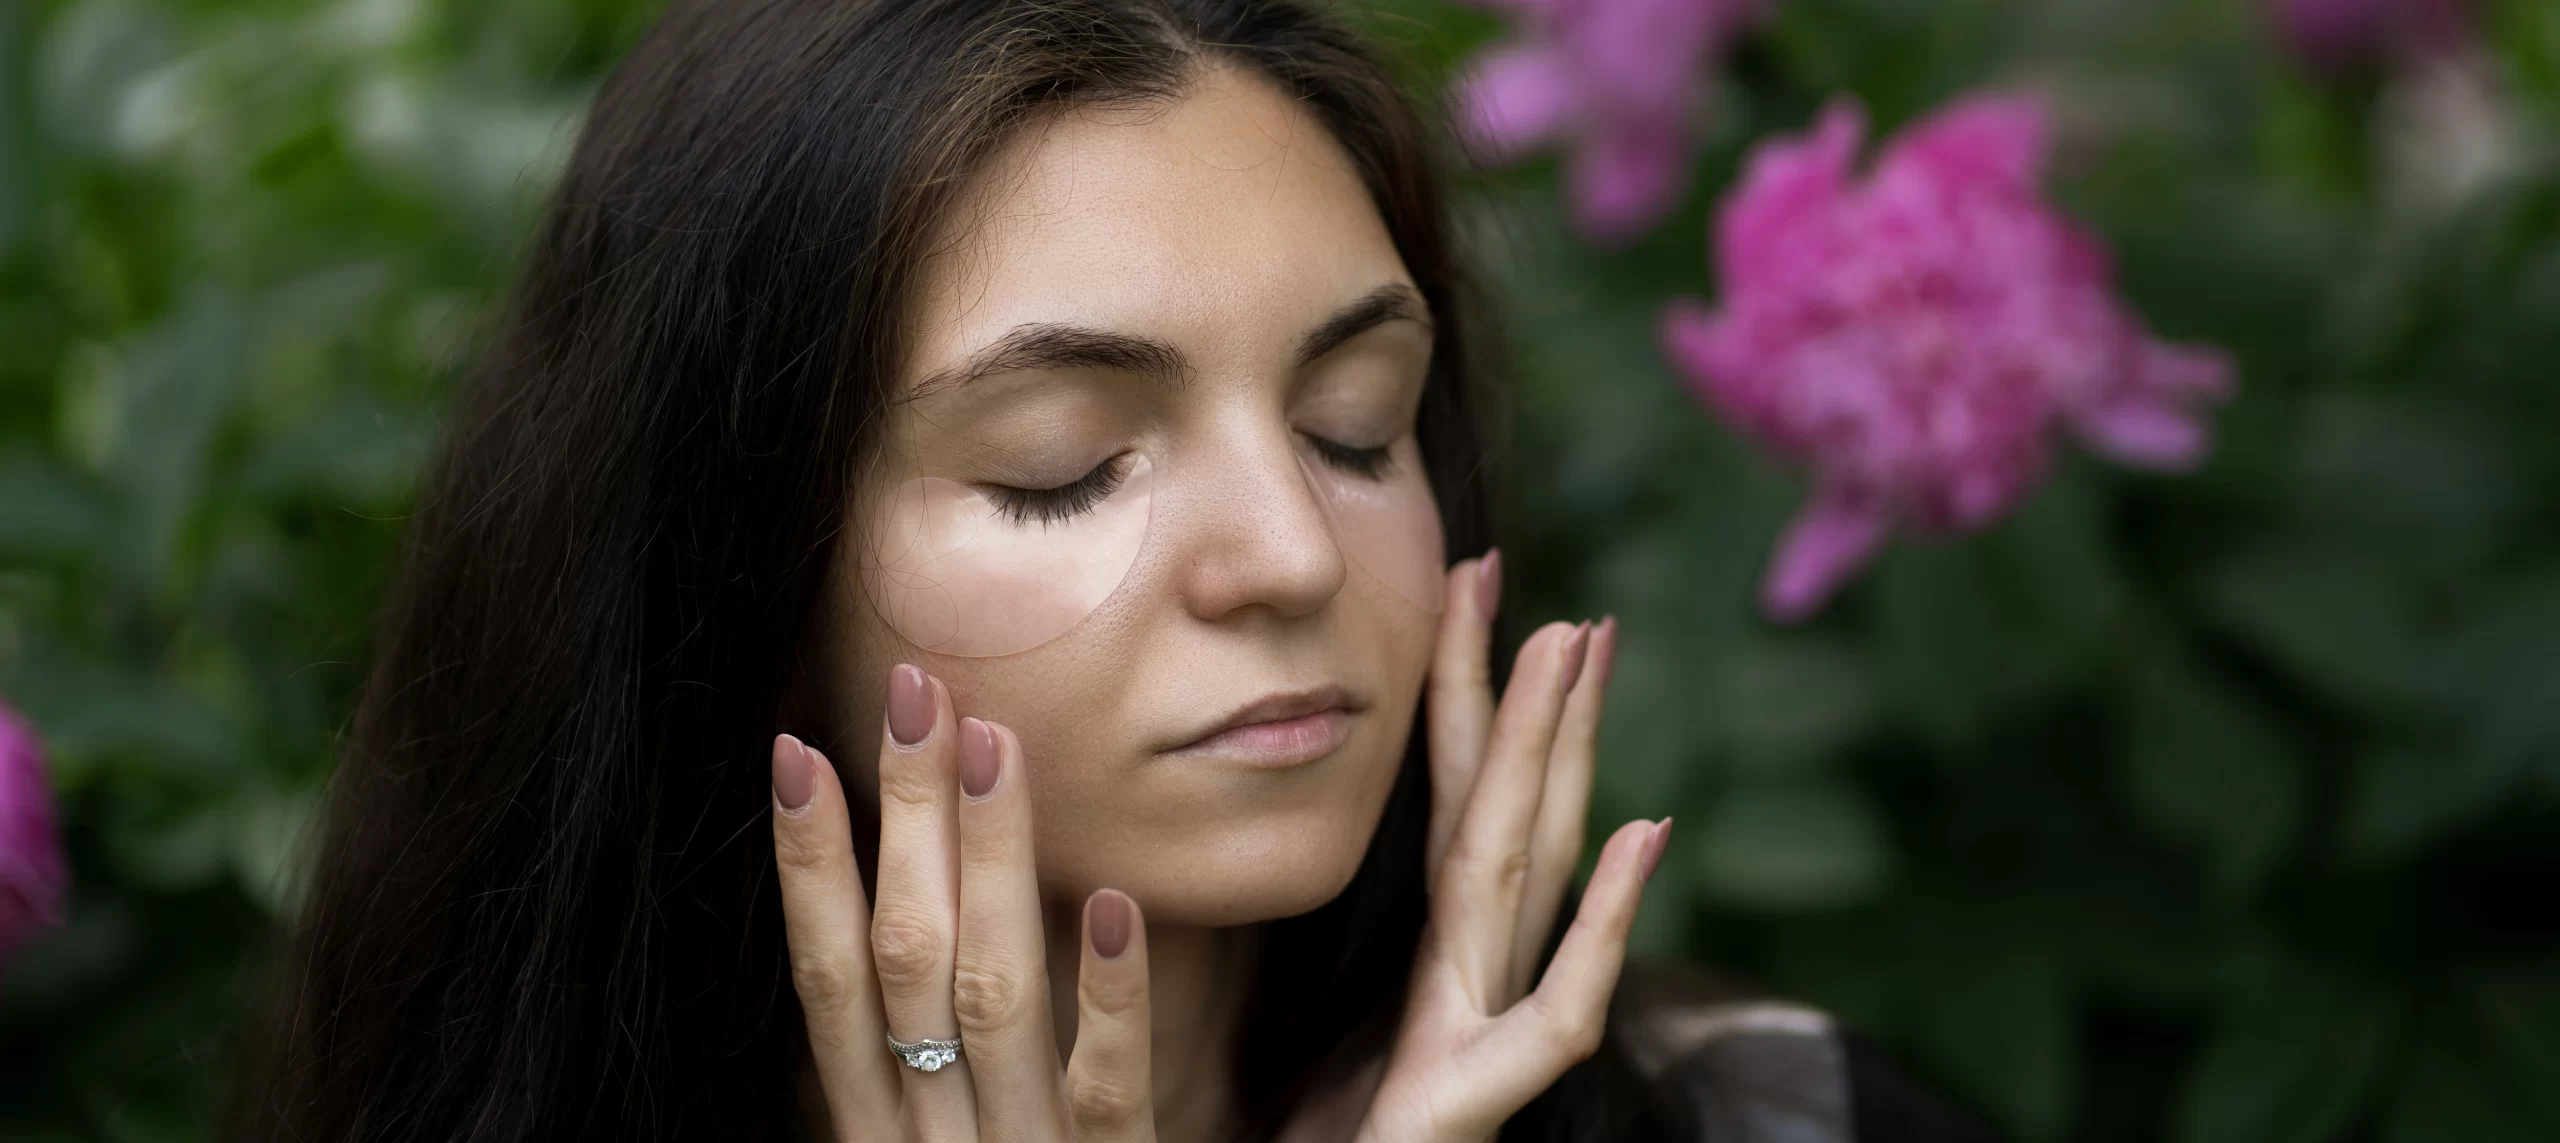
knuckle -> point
(907, 951)
(1507, 870)
(909, 781)
(1578, 1030)
(1113, 998)
(1104, 1101)
(823, 983)
(988, 847)
(797, 852)
(987, 998)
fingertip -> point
(795, 774)
(1655, 843)
(1577, 651)
(1111, 923)
(1489, 584)
(1537, 642)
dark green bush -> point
(2217, 808)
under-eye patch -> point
(960, 570)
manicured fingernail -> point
(1574, 649)
(1654, 846)
(795, 773)
(1604, 646)
(1489, 583)
(910, 706)
(1106, 916)
(981, 758)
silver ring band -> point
(927, 1055)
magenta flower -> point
(1618, 82)
(1916, 338)
(2338, 36)
(32, 872)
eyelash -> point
(1066, 501)
(1365, 463)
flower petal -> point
(1835, 536)
(2144, 434)
(1514, 99)
(1790, 184)
(1620, 181)
(33, 874)
(1999, 139)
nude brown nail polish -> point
(1654, 846)
(795, 773)
(1575, 650)
(1107, 919)
(910, 706)
(981, 758)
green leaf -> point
(46, 511)
(2333, 620)
(1945, 668)
(2207, 769)
(1997, 1022)
(2291, 1061)
(2401, 799)
(2448, 1096)
(1785, 704)
(1789, 845)
(2518, 1011)
(2402, 485)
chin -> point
(1236, 871)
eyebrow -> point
(1066, 345)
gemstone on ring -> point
(928, 1055)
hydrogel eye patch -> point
(955, 570)
(1388, 524)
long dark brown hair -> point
(544, 906)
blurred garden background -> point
(2210, 807)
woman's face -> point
(1152, 499)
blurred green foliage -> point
(2222, 809)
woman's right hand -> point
(953, 947)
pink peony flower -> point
(1916, 337)
(1618, 82)
(2338, 36)
(32, 872)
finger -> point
(1460, 703)
(913, 919)
(1561, 1023)
(1476, 901)
(824, 918)
(1000, 978)
(1555, 842)
(1110, 1082)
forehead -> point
(1225, 223)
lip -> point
(1280, 730)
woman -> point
(928, 426)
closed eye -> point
(1062, 502)
(1365, 463)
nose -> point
(1258, 537)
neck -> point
(1195, 992)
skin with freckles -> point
(1222, 230)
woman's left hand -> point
(1510, 788)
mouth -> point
(1279, 730)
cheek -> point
(1389, 526)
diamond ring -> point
(927, 1055)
